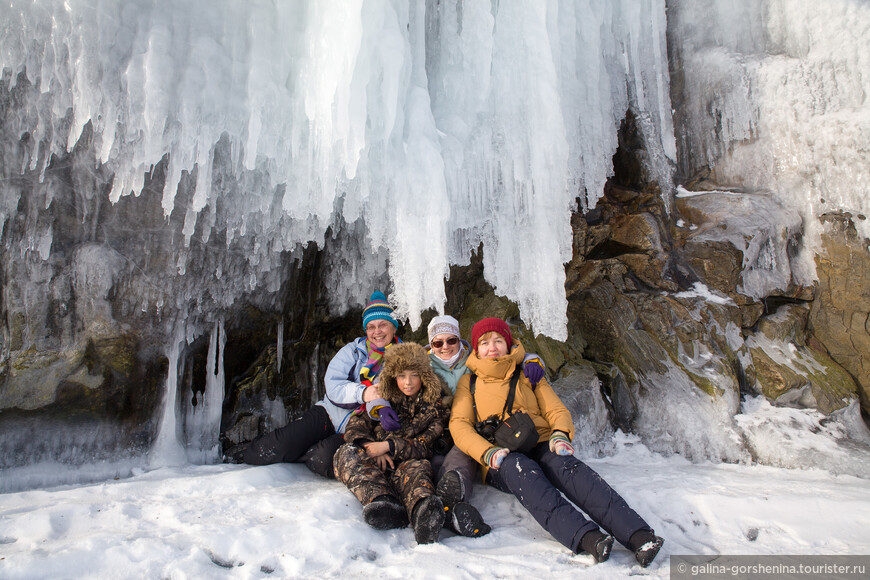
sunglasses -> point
(448, 342)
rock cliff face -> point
(840, 314)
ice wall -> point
(775, 98)
(429, 127)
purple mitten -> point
(374, 406)
(533, 371)
(389, 419)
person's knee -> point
(514, 461)
(512, 466)
(417, 464)
(573, 469)
(344, 462)
(518, 470)
(343, 454)
(321, 457)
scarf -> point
(373, 365)
(449, 363)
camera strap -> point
(508, 404)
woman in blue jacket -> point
(350, 383)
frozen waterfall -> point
(440, 125)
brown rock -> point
(718, 264)
(786, 370)
(637, 232)
(840, 314)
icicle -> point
(167, 450)
(421, 128)
(203, 420)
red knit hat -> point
(491, 325)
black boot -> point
(450, 490)
(428, 518)
(645, 545)
(385, 513)
(597, 544)
(236, 453)
(460, 517)
(467, 521)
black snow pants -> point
(536, 481)
(311, 440)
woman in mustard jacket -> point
(537, 477)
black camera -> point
(487, 427)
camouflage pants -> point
(411, 481)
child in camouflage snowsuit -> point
(389, 471)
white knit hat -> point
(443, 325)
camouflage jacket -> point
(422, 423)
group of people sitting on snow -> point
(407, 427)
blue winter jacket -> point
(344, 392)
(343, 387)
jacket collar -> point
(501, 368)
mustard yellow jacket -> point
(491, 391)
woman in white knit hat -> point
(447, 351)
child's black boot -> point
(467, 521)
(385, 513)
(460, 517)
(427, 519)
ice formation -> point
(761, 228)
(412, 131)
(167, 448)
(203, 418)
(776, 99)
(789, 437)
(440, 125)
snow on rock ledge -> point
(764, 233)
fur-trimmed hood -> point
(408, 356)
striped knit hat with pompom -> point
(377, 308)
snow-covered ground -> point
(280, 521)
